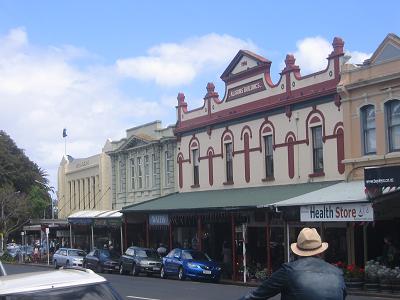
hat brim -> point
(301, 252)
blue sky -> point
(98, 68)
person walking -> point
(308, 278)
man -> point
(308, 278)
(162, 250)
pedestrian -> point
(307, 278)
(162, 250)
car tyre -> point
(55, 264)
(163, 275)
(181, 274)
(135, 271)
(99, 268)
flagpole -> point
(65, 146)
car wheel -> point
(55, 264)
(135, 271)
(181, 274)
(99, 268)
(163, 275)
(121, 270)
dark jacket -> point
(304, 279)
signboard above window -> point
(337, 213)
(158, 220)
(382, 177)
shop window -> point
(132, 173)
(269, 157)
(229, 162)
(147, 171)
(195, 154)
(368, 129)
(318, 158)
(139, 173)
(393, 124)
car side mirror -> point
(177, 256)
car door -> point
(176, 261)
(168, 260)
(89, 260)
(62, 258)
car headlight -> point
(193, 266)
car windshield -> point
(147, 253)
(76, 253)
(195, 255)
(90, 292)
(108, 254)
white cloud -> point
(311, 54)
(176, 64)
(42, 91)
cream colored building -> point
(143, 164)
(371, 106)
(84, 184)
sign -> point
(80, 221)
(353, 212)
(246, 89)
(47, 230)
(382, 177)
(157, 220)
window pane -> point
(318, 159)
(395, 113)
(370, 141)
(395, 138)
(369, 116)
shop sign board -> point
(80, 221)
(158, 219)
(353, 212)
(382, 176)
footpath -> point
(353, 292)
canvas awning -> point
(87, 217)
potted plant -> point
(353, 276)
(384, 274)
(261, 275)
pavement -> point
(152, 288)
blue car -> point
(191, 264)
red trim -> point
(210, 166)
(246, 158)
(337, 126)
(194, 144)
(267, 129)
(318, 174)
(315, 111)
(227, 131)
(246, 127)
(315, 119)
(290, 150)
(194, 138)
(227, 138)
(266, 124)
(180, 170)
(340, 150)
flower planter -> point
(354, 283)
(385, 286)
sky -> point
(98, 68)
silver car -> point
(68, 257)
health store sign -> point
(337, 213)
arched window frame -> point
(392, 114)
(368, 129)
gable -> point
(244, 64)
(389, 52)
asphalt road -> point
(148, 288)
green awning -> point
(226, 199)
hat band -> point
(308, 249)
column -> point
(122, 241)
(268, 239)
(147, 232)
(365, 241)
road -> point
(148, 288)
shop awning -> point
(342, 192)
(226, 199)
(96, 217)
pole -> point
(365, 242)
(287, 242)
(122, 240)
(244, 253)
(70, 235)
(47, 244)
(92, 237)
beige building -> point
(84, 184)
(143, 164)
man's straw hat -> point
(308, 243)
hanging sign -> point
(382, 176)
(158, 219)
(337, 212)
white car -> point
(68, 257)
(63, 284)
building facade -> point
(371, 105)
(142, 164)
(84, 184)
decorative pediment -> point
(389, 49)
(243, 63)
(135, 141)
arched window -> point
(368, 129)
(393, 124)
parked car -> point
(140, 260)
(102, 260)
(64, 284)
(68, 257)
(190, 263)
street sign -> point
(22, 233)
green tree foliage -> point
(21, 196)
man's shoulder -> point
(312, 263)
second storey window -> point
(368, 129)
(139, 173)
(229, 162)
(132, 173)
(147, 171)
(393, 125)
(269, 158)
(318, 158)
(195, 153)
(169, 167)
(121, 176)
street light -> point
(51, 189)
